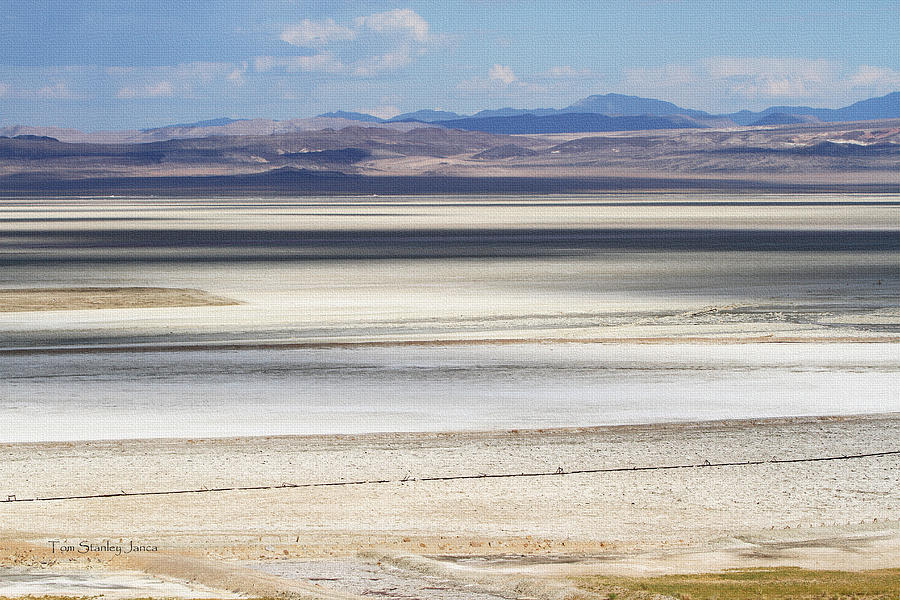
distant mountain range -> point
(220, 122)
(200, 129)
(338, 155)
(570, 123)
(597, 113)
(618, 112)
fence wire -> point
(560, 471)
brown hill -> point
(841, 153)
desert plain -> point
(444, 397)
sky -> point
(105, 64)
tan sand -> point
(446, 540)
(40, 299)
(647, 511)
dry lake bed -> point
(161, 345)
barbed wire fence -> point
(560, 471)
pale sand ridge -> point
(84, 298)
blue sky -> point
(104, 64)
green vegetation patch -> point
(753, 584)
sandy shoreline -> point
(96, 298)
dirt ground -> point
(823, 514)
(39, 299)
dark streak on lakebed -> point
(304, 182)
(21, 246)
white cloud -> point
(126, 93)
(264, 64)
(185, 80)
(881, 77)
(64, 83)
(390, 61)
(325, 62)
(193, 80)
(368, 46)
(502, 74)
(566, 72)
(160, 89)
(163, 88)
(383, 112)
(57, 91)
(400, 20)
(749, 82)
(501, 82)
(770, 77)
(236, 77)
(768, 68)
(314, 34)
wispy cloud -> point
(770, 77)
(502, 74)
(315, 34)
(398, 21)
(566, 72)
(760, 80)
(325, 62)
(60, 89)
(879, 77)
(389, 61)
(57, 91)
(367, 46)
(501, 83)
(383, 112)
(185, 80)
(236, 77)
(160, 89)
(191, 80)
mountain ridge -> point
(356, 158)
(570, 123)
(598, 112)
(612, 104)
